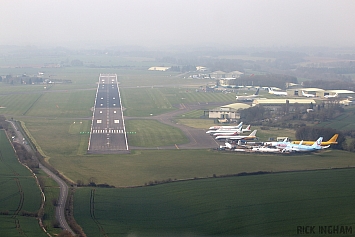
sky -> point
(234, 23)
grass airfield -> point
(143, 166)
(58, 119)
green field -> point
(343, 122)
(58, 121)
(142, 166)
(19, 195)
(58, 118)
(146, 101)
(151, 133)
(272, 205)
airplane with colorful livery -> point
(331, 141)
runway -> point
(108, 133)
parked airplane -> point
(229, 132)
(332, 140)
(265, 149)
(307, 95)
(231, 127)
(226, 133)
(251, 136)
(271, 91)
(346, 102)
(281, 144)
(247, 129)
(304, 148)
(224, 130)
(247, 97)
(331, 96)
(227, 145)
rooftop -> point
(283, 101)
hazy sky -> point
(177, 22)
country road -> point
(63, 194)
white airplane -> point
(346, 102)
(271, 91)
(227, 133)
(307, 95)
(227, 145)
(265, 149)
(282, 144)
(224, 130)
(226, 127)
(304, 148)
(331, 96)
(247, 129)
(247, 97)
(251, 136)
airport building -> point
(228, 82)
(290, 104)
(227, 112)
(163, 69)
(201, 69)
(222, 75)
(340, 93)
(320, 93)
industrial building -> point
(339, 93)
(291, 104)
(163, 69)
(227, 112)
(320, 93)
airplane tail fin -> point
(253, 133)
(257, 91)
(240, 125)
(318, 142)
(248, 127)
(334, 138)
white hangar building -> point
(228, 112)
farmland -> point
(343, 122)
(272, 204)
(20, 197)
(142, 166)
(58, 118)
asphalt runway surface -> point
(108, 134)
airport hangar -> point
(229, 113)
(320, 92)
